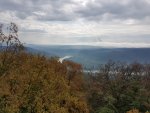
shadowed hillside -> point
(90, 56)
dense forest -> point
(32, 83)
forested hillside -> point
(31, 83)
(118, 87)
(34, 84)
(92, 56)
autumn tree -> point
(32, 83)
(118, 87)
(10, 46)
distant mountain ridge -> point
(90, 56)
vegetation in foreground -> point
(36, 84)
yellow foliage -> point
(135, 111)
(33, 83)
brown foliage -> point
(38, 85)
(133, 111)
(35, 84)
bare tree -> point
(10, 46)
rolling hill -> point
(90, 56)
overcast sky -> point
(108, 23)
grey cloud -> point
(99, 10)
(22, 9)
(25, 30)
(26, 8)
(134, 9)
(55, 14)
(56, 11)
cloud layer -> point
(79, 21)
